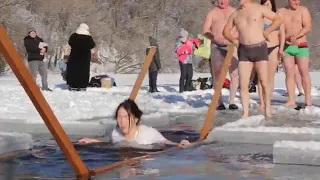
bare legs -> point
(289, 63)
(245, 68)
(292, 76)
(303, 65)
(298, 80)
(217, 60)
(272, 68)
(234, 75)
(264, 81)
(216, 63)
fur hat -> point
(83, 29)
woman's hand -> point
(184, 143)
(281, 53)
(88, 141)
(235, 42)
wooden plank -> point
(20, 70)
(142, 74)
(217, 92)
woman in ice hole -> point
(128, 128)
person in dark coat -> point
(78, 66)
(35, 57)
(155, 66)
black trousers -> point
(186, 73)
(255, 79)
(153, 75)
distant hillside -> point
(120, 27)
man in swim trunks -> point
(297, 23)
(252, 47)
(212, 29)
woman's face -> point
(268, 4)
(32, 34)
(123, 119)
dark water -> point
(212, 159)
(225, 161)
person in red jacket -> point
(184, 50)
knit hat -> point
(153, 41)
(31, 30)
(183, 33)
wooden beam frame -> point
(206, 126)
(20, 70)
(16, 63)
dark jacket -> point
(155, 63)
(78, 66)
(32, 47)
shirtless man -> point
(297, 23)
(212, 28)
(252, 47)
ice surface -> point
(297, 152)
(310, 111)
(14, 142)
(252, 130)
(71, 128)
(252, 121)
(247, 135)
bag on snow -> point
(96, 80)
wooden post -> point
(217, 92)
(20, 70)
(145, 67)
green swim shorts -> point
(296, 51)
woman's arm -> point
(282, 38)
(89, 141)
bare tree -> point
(120, 28)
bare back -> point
(219, 19)
(249, 23)
(292, 21)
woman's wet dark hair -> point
(273, 4)
(132, 109)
